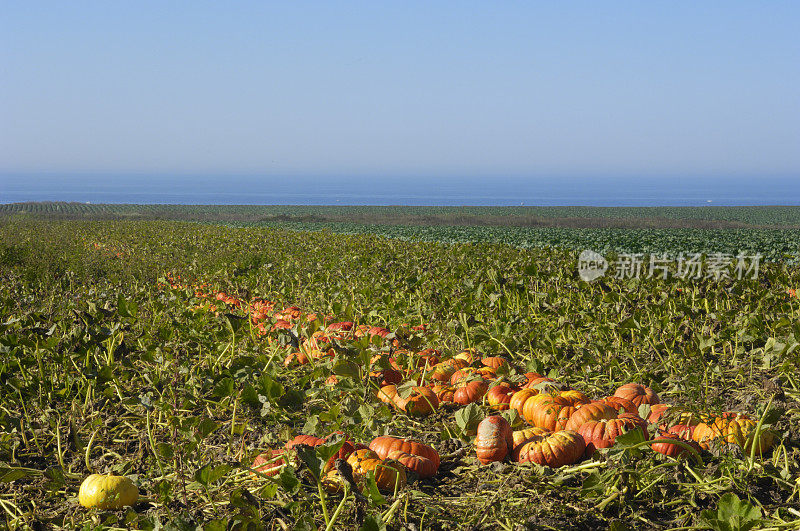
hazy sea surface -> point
(254, 190)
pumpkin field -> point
(171, 375)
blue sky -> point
(401, 88)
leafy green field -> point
(119, 355)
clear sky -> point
(401, 88)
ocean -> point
(412, 191)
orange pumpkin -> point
(551, 412)
(637, 393)
(591, 411)
(493, 441)
(603, 432)
(385, 444)
(471, 392)
(270, 462)
(422, 466)
(554, 450)
(499, 396)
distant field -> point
(774, 232)
(581, 217)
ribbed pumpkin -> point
(495, 362)
(385, 444)
(637, 393)
(422, 466)
(520, 436)
(554, 450)
(462, 376)
(602, 433)
(469, 355)
(592, 411)
(308, 440)
(519, 398)
(734, 428)
(663, 442)
(551, 412)
(443, 371)
(622, 405)
(493, 441)
(443, 392)
(658, 411)
(388, 474)
(422, 401)
(499, 396)
(471, 392)
(388, 394)
(575, 396)
(533, 383)
(270, 462)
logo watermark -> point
(592, 265)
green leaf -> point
(629, 439)
(732, 514)
(312, 459)
(346, 368)
(372, 523)
(468, 418)
(210, 473)
(9, 474)
(372, 492)
(126, 308)
(206, 427)
(288, 480)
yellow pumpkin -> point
(107, 492)
(736, 429)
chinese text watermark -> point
(717, 266)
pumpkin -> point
(469, 355)
(443, 392)
(493, 441)
(387, 376)
(422, 401)
(575, 396)
(359, 456)
(422, 466)
(343, 452)
(541, 382)
(388, 474)
(345, 326)
(663, 443)
(548, 411)
(385, 444)
(602, 433)
(520, 436)
(270, 462)
(637, 393)
(309, 440)
(657, 411)
(622, 405)
(554, 450)
(388, 394)
(443, 371)
(519, 398)
(591, 411)
(462, 376)
(471, 392)
(495, 362)
(734, 428)
(107, 492)
(499, 396)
